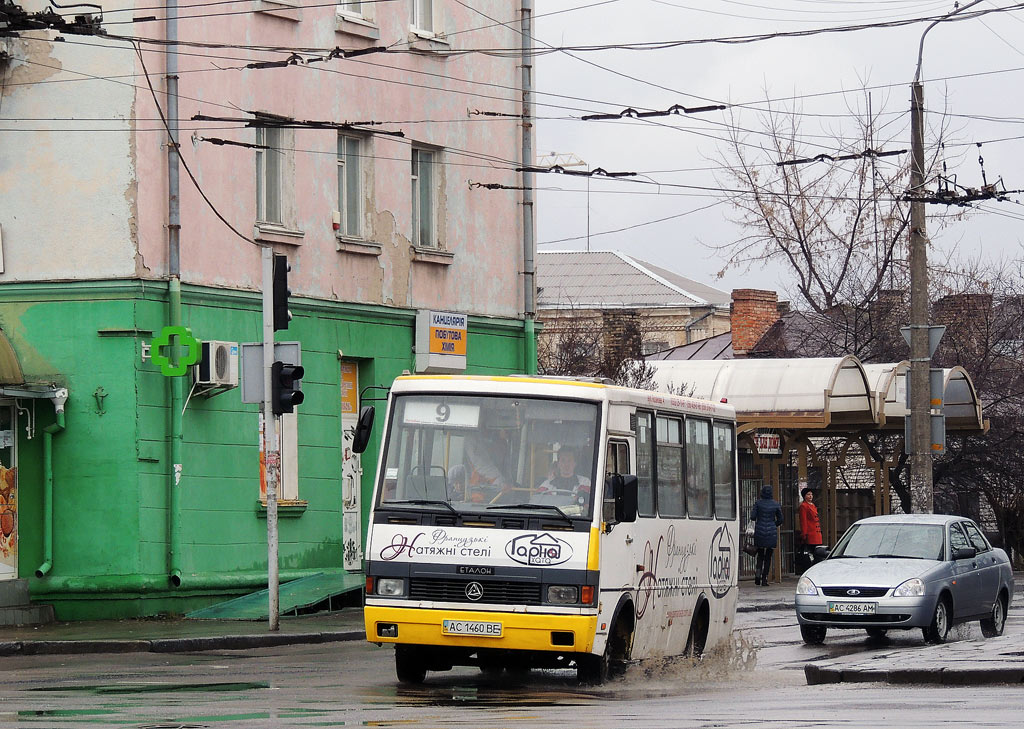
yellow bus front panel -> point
(519, 631)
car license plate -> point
(853, 608)
(471, 627)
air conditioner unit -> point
(219, 365)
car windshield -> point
(470, 453)
(906, 541)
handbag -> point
(748, 544)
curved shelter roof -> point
(837, 393)
(778, 393)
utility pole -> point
(271, 450)
(529, 243)
(922, 497)
(921, 489)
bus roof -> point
(575, 389)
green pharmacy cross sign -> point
(186, 360)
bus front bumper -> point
(519, 631)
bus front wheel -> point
(409, 665)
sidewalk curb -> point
(173, 645)
(816, 675)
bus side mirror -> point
(363, 428)
(621, 499)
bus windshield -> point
(469, 453)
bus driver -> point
(564, 486)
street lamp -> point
(921, 486)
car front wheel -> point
(992, 626)
(813, 634)
(939, 628)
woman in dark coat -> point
(767, 518)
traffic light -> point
(281, 314)
(285, 392)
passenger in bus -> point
(767, 518)
(487, 453)
(564, 485)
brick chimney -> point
(752, 313)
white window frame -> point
(269, 175)
(423, 17)
(354, 9)
(420, 183)
(350, 208)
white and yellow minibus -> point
(526, 522)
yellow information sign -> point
(441, 341)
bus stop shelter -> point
(796, 414)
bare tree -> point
(606, 344)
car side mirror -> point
(364, 426)
(620, 499)
(965, 553)
(820, 553)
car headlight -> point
(390, 586)
(911, 588)
(804, 586)
(564, 594)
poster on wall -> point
(351, 470)
(8, 497)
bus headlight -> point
(390, 586)
(564, 594)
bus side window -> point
(725, 472)
(617, 458)
(645, 464)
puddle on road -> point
(736, 659)
(142, 688)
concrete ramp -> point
(323, 591)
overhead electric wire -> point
(188, 170)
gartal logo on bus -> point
(721, 560)
(539, 549)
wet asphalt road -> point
(758, 682)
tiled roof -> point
(600, 279)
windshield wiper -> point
(894, 556)
(421, 502)
(533, 506)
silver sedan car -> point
(925, 571)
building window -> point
(650, 347)
(349, 187)
(354, 8)
(269, 177)
(423, 15)
(423, 206)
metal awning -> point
(779, 393)
(838, 393)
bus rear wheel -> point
(409, 665)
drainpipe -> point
(694, 323)
(58, 405)
(529, 244)
(174, 296)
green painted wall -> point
(111, 464)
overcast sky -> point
(960, 61)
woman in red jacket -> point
(810, 525)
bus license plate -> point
(852, 608)
(471, 627)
